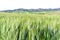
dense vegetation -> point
(18, 26)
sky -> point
(28, 4)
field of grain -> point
(21, 26)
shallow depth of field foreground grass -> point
(16, 26)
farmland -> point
(30, 26)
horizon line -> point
(28, 8)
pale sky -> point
(28, 4)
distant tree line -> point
(30, 10)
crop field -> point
(28, 26)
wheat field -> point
(21, 26)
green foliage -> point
(29, 26)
